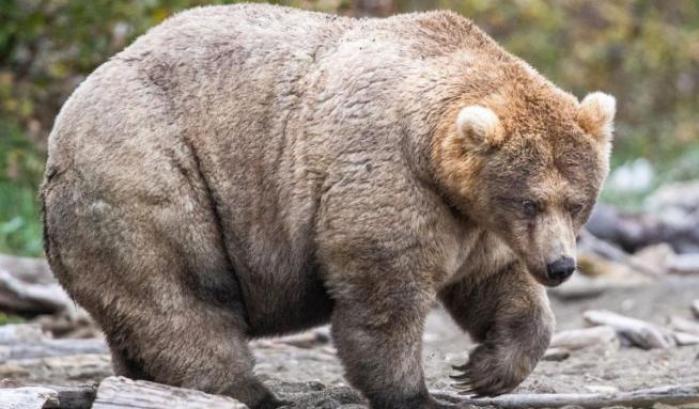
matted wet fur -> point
(253, 170)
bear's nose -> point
(560, 269)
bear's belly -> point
(290, 307)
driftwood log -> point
(52, 347)
(591, 243)
(566, 342)
(48, 397)
(582, 338)
(27, 287)
(556, 354)
(28, 341)
(579, 287)
(56, 369)
(31, 298)
(686, 331)
(632, 232)
(123, 393)
(643, 398)
(72, 323)
(20, 333)
(26, 398)
(684, 338)
(684, 264)
(28, 353)
(639, 333)
(28, 270)
(120, 392)
(684, 325)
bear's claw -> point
(486, 374)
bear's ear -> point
(596, 115)
(479, 126)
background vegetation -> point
(644, 52)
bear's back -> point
(261, 108)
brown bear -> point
(252, 170)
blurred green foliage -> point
(644, 52)
(21, 166)
(10, 319)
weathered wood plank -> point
(52, 347)
(20, 333)
(25, 398)
(72, 397)
(57, 369)
(684, 339)
(642, 398)
(119, 392)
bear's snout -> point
(560, 270)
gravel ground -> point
(311, 376)
(592, 370)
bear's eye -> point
(530, 208)
(575, 208)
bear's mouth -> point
(555, 282)
(542, 277)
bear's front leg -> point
(508, 313)
(377, 329)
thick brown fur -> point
(251, 170)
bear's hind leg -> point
(202, 349)
(156, 279)
(125, 366)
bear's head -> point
(528, 165)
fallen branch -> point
(72, 397)
(642, 398)
(120, 392)
(640, 333)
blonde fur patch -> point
(596, 114)
(480, 125)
